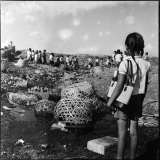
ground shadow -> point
(152, 151)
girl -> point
(51, 59)
(36, 58)
(133, 111)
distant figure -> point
(32, 55)
(36, 58)
(113, 55)
(67, 61)
(108, 63)
(29, 53)
(97, 61)
(118, 58)
(51, 56)
(61, 60)
(145, 56)
(101, 62)
(44, 56)
(76, 62)
(39, 57)
(90, 64)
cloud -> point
(14, 10)
(8, 17)
(6, 42)
(108, 33)
(150, 47)
(122, 11)
(120, 23)
(130, 20)
(100, 34)
(85, 37)
(152, 35)
(98, 22)
(76, 22)
(30, 18)
(29, 6)
(73, 7)
(93, 49)
(65, 34)
(33, 33)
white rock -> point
(101, 145)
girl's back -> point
(144, 68)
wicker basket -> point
(77, 90)
(74, 111)
(44, 110)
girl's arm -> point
(118, 89)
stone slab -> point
(101, 145)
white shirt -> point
(36, 57)
(97, 60)
(33, 54)
(144, 68)
(89, 60)
(28, 54)
(118, 58)
(50, 57)
(67, 59)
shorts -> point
(133, 111)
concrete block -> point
(101, 145)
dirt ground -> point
(61, 145)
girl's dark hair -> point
(135, 42)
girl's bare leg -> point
(134, 138)
(122, 134)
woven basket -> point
(4, 64)
(77, 90)
(74, 111)
(44, 110)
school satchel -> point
(126, 93)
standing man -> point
(97, 61)
(29, 53)
(44, 56)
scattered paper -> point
(5, 107)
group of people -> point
(118, 56)
(71, 62)
(36, 56)
(40, 57)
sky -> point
(79, 27)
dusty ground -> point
(61, 145)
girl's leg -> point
(122, 134)
(134, 138)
